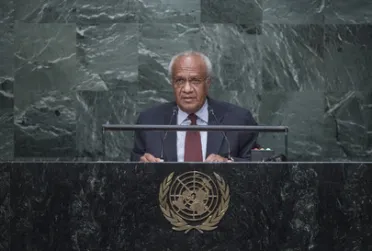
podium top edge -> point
(258, 128)
(185, 163)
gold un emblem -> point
(194, 200)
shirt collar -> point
(202, 114)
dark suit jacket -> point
(241, 143)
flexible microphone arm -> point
(224, 135)
(175, 110)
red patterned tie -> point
(193, 148)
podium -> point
(117, 206)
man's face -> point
(190, 82)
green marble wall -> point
(69, 66)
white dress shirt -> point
(182, 119)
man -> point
(190, 74)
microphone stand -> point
(224, 135)
(175, 110)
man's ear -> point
(208, 82)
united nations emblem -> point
(194, 200)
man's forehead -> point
(189, 65)
(189, 59)
(187, 74)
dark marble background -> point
(69, 66)
(114, 206)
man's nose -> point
(187, 87)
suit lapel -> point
(215, 138)
(170, 142)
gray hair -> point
(206, 60)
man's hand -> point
(149, 158)
(216, 158)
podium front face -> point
(181, 206)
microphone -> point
(175, 111)
(223, 133)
